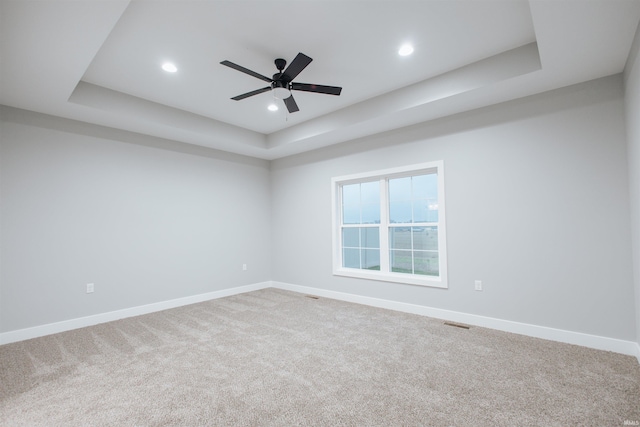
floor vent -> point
(457, 325)
(312, 296)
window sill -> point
(409, 279)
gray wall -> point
(632, 110)
(537, 203)
(537, 208)
(145, 220)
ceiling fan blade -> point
(246, 71)
(291, 104)
(308, 87)
(254, 92)
(298, 64)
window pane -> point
(370, 192)
(432, 211)
(361, 203)
(413, 199)
(370, 237)
(351, 204)
(401, 262)
(426, 189)
(421, 211)
(400, 189)
(400, 238)
(426, 263)
(351, 215)
(371, 214)
(420, 186)
(351, 194)
(400, 212)
(351, 258)
(361, 247)
(371, 259)
(400, 200)
(370, 198)
(425, 238)
(425, 186)
(351, 237)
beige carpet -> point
(277, 358)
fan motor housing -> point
(280, 84)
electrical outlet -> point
(478, 284)
(244, 267)
(89, 288)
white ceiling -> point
(99, 62)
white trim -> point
(67, 325)
(408, 170)
(577, 338)
(408, 279)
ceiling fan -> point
(281, 83)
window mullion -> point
(384, 226)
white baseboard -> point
(592, 341)
(67, 325)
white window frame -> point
(385, 274)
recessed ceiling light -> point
(405, 49)
(169, 67)
(272, 107)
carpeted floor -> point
(278, 358)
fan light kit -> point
(282, 82)
(281, 92)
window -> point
(389, 225)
